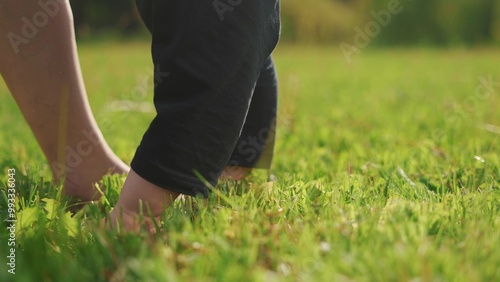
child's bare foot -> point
(235, 173)
(128, 221)
(140, 205)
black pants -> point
(215, 90)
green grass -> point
(387, 169)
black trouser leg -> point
(207, 64)
(255, 146)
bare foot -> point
(81, 179)
(140, 205)
(235, 173)
(121, 219)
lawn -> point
(386, 169)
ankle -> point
(140, 195)
(235, 173)
(122, 219)
(79, 180)
(140, 205)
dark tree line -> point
(437, 22)
(93, 16)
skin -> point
(139, 196)
(43, 74)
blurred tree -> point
(93, 16)
(440, 22)
(321, 20)
(495, 30)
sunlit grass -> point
(387, 169)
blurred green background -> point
(430, 22)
